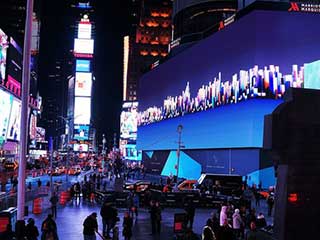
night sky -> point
(111, 24)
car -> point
(137, 186)
(187, 185)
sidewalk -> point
(70, 219)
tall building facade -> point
(147, 42)
(80, 132)
(192, 18)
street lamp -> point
(104, 141)
(179, 130)
(24, 121)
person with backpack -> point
(49, 229)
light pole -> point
(179, 130)
(24, 121)
(104, 141)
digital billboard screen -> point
(41, 134)
(83, 65)
(13, 132)
(128, 121)
(4, 45)
(14, 61)
(82, 110)
(80, 147)
(128, 131)
(5, 109)
(84, 30)
(84, 46)
(33, 127)
(83, 84)
(258, 56)
(81, 132)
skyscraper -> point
(147, 41)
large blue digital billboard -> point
(246, 66)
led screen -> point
(14, 62)
(312, 75)
(5, 109)
(258, 56)
(80, 147)
(82, 65)
(128, 121)
(84, 30)
(83, 46)
(41, 134)
(33, 127)
(82, 110)
(14, 122)
(81, 132)
(4, 44)
(83, 84)
(128, 131)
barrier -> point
(37, 206)
(172, 199)
(64, 197)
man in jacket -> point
(109, 217)
(90, 226)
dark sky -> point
(111, 24)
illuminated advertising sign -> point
(82, 110)
(4, 44)
(312, 75)
(84, 30)
(81, 132)
(128, 121)
(5, 108)
(84, 46)
(14, 122)
(33, 127)
(80, 147)
(82, 65)
(83, 84)
(225, 97)
(41, 134)
(14, 63)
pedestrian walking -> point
(223, 215)
(190, 210)
(32, 232)
(127, 226)
(237, 223)
(270, 202)
(49, 229)
(90, 227)
(109, 216)
(153, 216)
(158, 217)
(54, 201)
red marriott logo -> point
(294, 7)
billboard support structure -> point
(24, 120)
